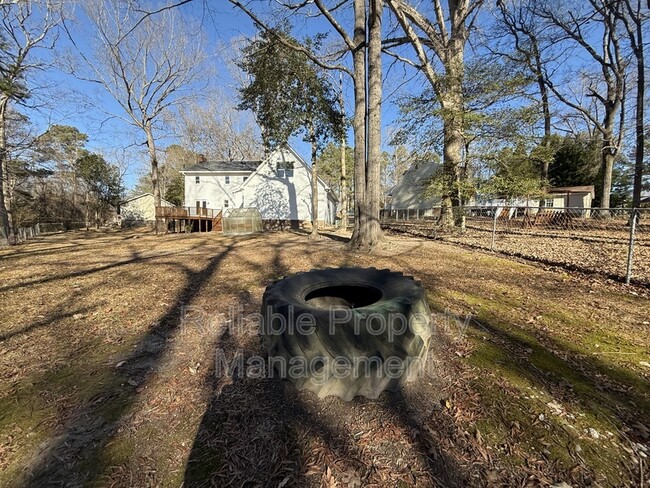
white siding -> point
(281, 198)
(141, 209)
(285, 198)
(212, 189)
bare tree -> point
(594, 28)
(634, 17)
(216, 129)
(525, 31)
(148, 65)
(439, 42)
(24, 27)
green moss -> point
(538, 371)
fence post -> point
(630, 247)
(494, 227)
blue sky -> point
(116, 139)
(71, 100)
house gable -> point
(410, 191)
(286, 197)
(276, 195)
(280, 155)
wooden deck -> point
(186, 213)
(191, 219)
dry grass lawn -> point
(102, 386)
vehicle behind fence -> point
(613, 242)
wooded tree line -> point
(515, 95)
(54, 178)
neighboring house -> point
(571, 197)
(140, 210)
(410, 194)
(578, 197)
(279, 187)
(410, 191)
(645, 199)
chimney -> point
(201, 158)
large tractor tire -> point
(346, 331)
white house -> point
(278, 186)
(140, 210)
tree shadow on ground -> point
(532, 352)
(585, 393)
(258, 430)
(335, 237)
(135, 258)
(261, 431)
(66, 458)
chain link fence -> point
(613, 242)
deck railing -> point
(186, 212)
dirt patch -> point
(103, 384)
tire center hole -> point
(343, 296)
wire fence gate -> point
(614, 242)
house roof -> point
(574, 189)
(299, 159)
(218, 166)
(137, 197)
(409, 191)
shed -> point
(572, 196)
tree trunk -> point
(155, 183)
(344, 189)
(314, 184)
(359, 122)
(87, 211)
(609, 148)
(373, 165)
(546, 111)
(640, 134)
(6, 217)
(452, 113)
(344, 178)
(367, 232)
(607, 166)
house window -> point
(227, 180)
(285, 169)
(197, 179)
(225, 204)
(548, 203)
